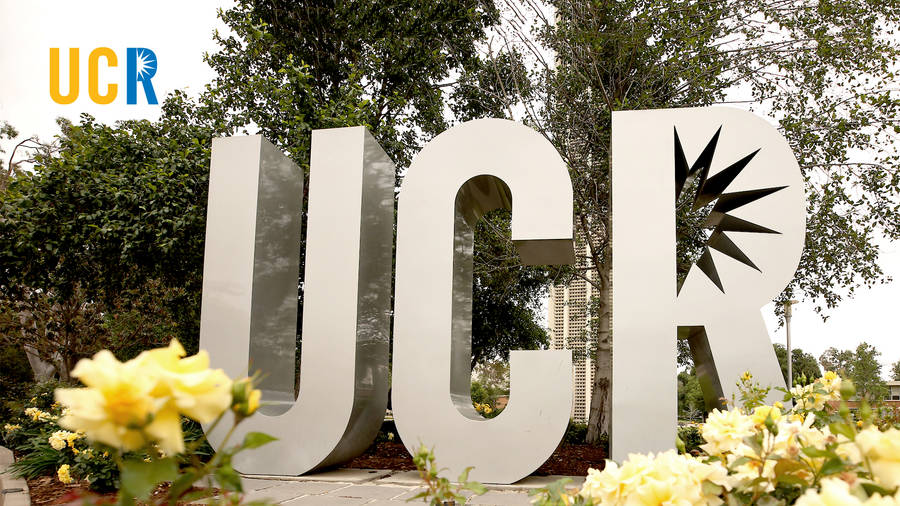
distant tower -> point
(570, 329)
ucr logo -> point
(140, 68)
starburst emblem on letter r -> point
(702, 208)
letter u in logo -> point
(250, 280)
(55, 94)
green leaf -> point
(738, 462)
(843, 429)
(256, 439)
(872, 488)
(832, 466)
(710, 488)
(140, 478)
(475, 486)
(816, 453)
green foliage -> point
(691, 405)
(895, 371)
(690, 438)
(825, 71)
(29, 434)
(575, 433)
(860, 365)
(557, 493)
(839, 361)
(15, 376)
(866, 373)
(802, 364)
(117, 214)
(438, 490)
(751, 394)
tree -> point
(124, 204)
(117, 207)
(861, 366)
(405, 70)
(839, 361)
(802, 364)
(865, 371)
(895, 371)
(823, 70)
(691, 405)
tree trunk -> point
(598, 421)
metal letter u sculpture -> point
(250, 288)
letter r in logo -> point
(141, 68)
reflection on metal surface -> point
(460, 175)
(250, 280)
(725, 330)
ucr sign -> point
(249, 308)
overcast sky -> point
(179, 32)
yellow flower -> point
(763, 413)
(883, 452)
(245, 398)
(837, 492)
(198, 392)
(725, 431)
(115, 406)
(71, 437)
(141, 401)
(57, 440)
(666, 478)
(63, 474)
(37, 415)
(11, 427)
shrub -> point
(754, 453)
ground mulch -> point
(567, 460)
(47, 490)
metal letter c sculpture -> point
(460, 175)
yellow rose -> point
(198, 392)
(115, 405)
(63, 474)
(725, 431)
(56, 442)
(883, 452)
(762, 413)
(245, 398)
(118, 407)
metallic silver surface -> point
(723, 324)
(460, 175)
(250, 290)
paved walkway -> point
(375, 487)
(331, 488)
(14, 490)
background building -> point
(570, 328)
